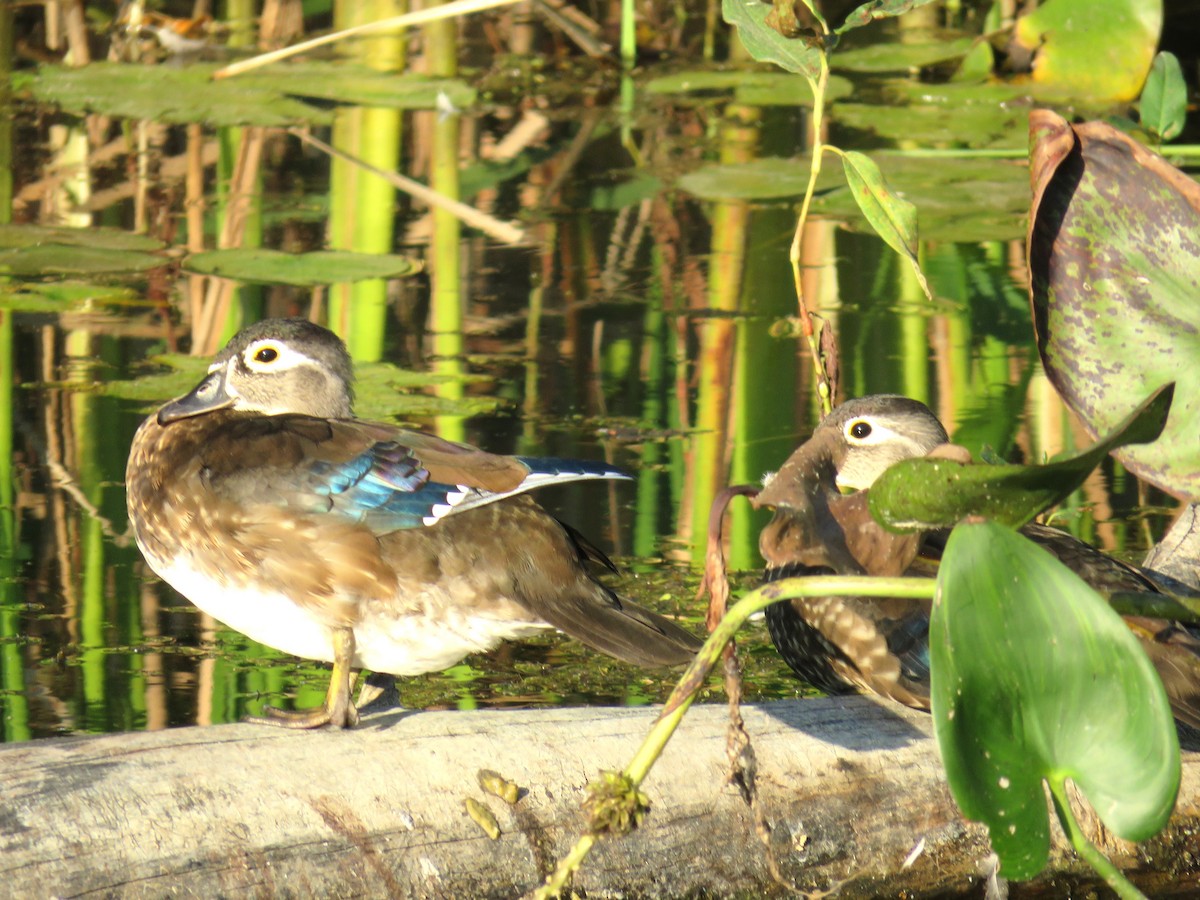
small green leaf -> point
(893, 218)
(919, 494)
(303, 269)
(1035, 678)
(878, 9)
(1163, 105)
(766, 44)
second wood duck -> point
(881, 645)
(262, 500)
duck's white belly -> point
(409, 644)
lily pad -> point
(1035, 678)
(33, 251)
(920, 494)
(302, 269)
(68, 259)
(351, 85)
(768, 178)
(977, 125)
(57, 296)
(19, 236)
(175, 95)
(1095, 51)
(752, 88)
(892, 56)
(1114, 256)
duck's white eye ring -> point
(268, 355)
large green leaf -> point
(304, 269)
(920, 494)
(753, 88)
(1114, 260)
(1035, 678)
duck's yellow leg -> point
(338, 709)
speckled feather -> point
(840, 644)
(426, 549)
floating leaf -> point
(17, 236)
(276, 96)
(919, 494)
(893, 56)
(358, 85)
(769, 178)
(171, 94)
(1163, 104)
(752, 88)
(58, 296)
(965, 124)
(1095, 51)
(1035, 678)
(71, 259)
(766, 44)
(894, 219)
(1114, 260)
(303, 269)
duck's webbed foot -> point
(337, 710)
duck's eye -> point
(266, 355)
(860, 430)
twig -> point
(505, 232)
(433, 14)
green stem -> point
(697, 673)
(1091, 855)
(818, 88)
(1156, 606)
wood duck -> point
(262, 500)
(881, 645)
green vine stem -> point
(1086, 849)
(697, 673)
(818, 87)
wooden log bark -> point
(848, 791)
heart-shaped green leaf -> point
(919, 494)
(1035, 678)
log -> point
(850, 793)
